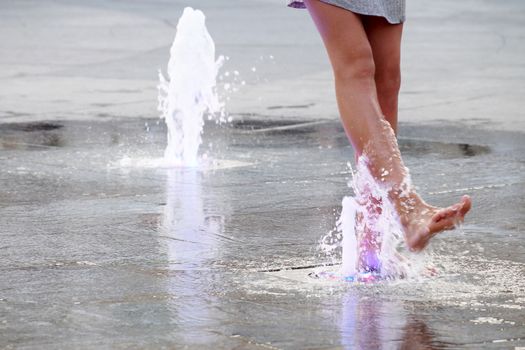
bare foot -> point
(422, 221)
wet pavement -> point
(98, 251)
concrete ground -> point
(95, 254)
(462, 60)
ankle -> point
(407, 204)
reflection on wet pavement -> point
(98, 255)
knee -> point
(388, 80)
(355, 64)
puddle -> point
(304, 106)
(31, 136)
(257, 124)
(30, 127)
(452, 150)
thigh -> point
(342, 32)
(385, 40)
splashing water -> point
(372, 235)
(190, 92)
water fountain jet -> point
(189, 92)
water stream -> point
(370, 236)
(189, 91)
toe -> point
(445, 213)
(466, 204)
(443, 220)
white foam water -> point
(189, 92)
(372, 235)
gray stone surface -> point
(462, 60)
(96, 255)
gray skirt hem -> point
(392, 10)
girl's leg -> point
(352, 58)
(385, 41)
